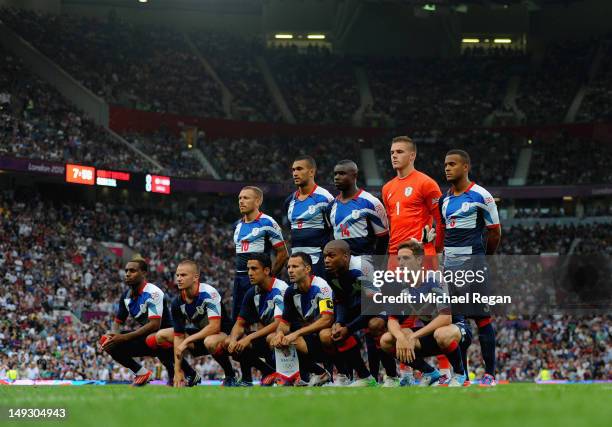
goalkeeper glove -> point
(429, 234)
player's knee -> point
(386, 341)
(444, 336)
(225, 342)
(326, 337)
(440, 336)
(376, 326)
(211, 343)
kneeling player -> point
(200, 323)
(308, 309)
(263, 305)
(145, 303)
(340, 340)
(441, 332)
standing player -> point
(360, 219)
(262, 306)
(356, 216)
(308, 309)
(256, 232)
(145, 303)
(411, 201)
(200, 323)
(467, 210)
(306, 213)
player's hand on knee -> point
(242, 344)
(341, 334)
(277, 340)
(411, 356)
(289, 339)
(231, 347)
(401, 349)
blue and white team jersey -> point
(309, 228)
(465, 216)
(359, 221)
(147, 304)
(197, 314)
(257, 236)
(305, 308)
(264, 306)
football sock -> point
(486, 335)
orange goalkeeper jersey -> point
(411, 203)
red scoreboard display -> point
(157, 184)
(88, 175)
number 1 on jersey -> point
(397, 208)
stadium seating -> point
(37, 122)
(233, 58)
(270, 159)
(440, 93)
(148, 68)
(318, 86)
(493, 154)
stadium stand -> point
(148, 68)
(37, 122)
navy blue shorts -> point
(241, 285)
(315, 348)
(430, 347)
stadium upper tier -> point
(222, 75)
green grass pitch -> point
(514, 405)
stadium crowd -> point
(440, 93)
(493, 154)
(234, 59)
(269, 159)
(37, 122)
(148, 68)
(45, 267)
(318, 86)
(597, 104)
(548, 88)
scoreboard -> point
(89, 175)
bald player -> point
(360, 219)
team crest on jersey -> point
(200, 310)
(465, 206)
(255, 231)
(407, 191)
(311, 209)
(355, 214)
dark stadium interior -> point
(214, 95)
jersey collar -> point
(297, 193)
(452, 193)
(271, 285)
(311, 278)
(256, 218)
(407, 176)
(355, 197)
